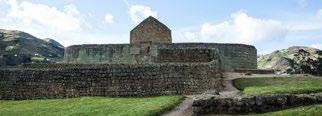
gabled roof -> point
(150, 19)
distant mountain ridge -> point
(18, 47)
(295, 59)
(54, 42)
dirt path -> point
(185, 107)
(229, 90)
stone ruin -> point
(151, 42)
(150, 65)
(151, 31)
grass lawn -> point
(277, 85)
(271, 85)
(314, 110)
(90, 106)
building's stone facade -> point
(233, 56)
(186, 55)
(150, 31)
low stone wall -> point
(68, 80)
(253, 104)
(255, 71)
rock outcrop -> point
(296, 59)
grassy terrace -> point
(90, 106)
(271, 85)
(277, 85)
(314, 110)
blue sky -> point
(267, 24)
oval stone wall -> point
(232, 56)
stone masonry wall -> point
(150, 30)
(185, 55)
(68, 80)
(102, 54)
(233, 56)
(252, 104)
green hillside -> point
(18, 47)
(296, 59)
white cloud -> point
(319, 13)
(90, 14)
(314, 22)
(65, 25)
(190, 35)
(306, 26)
(318, 46)
(71, 9)
(242, 28)
(185, 36)
(126, 3)
(43, 15)
(109, 19)
(140, 12)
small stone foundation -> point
(214, 104)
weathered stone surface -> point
(254, 71)
(232, 56)
(102, 54)
(251, 104)
(69, 80)
(151, 31)
(186, 55)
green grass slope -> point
(313, 110)
(271, 85)
(90, 106)
(279, 85)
